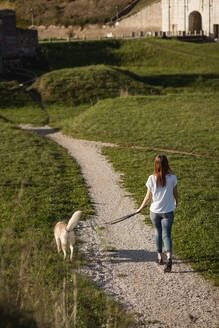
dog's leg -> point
(64, 249)
(72, 250)
(58, 243)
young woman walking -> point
(162, 191)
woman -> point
(162, 188)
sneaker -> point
(160, 261)
(168, 266)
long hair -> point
(161, 169)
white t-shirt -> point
(162, 197)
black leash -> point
(112, 222)
(121, 219)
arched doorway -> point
(195, 22)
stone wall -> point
(8, 33)
(58, 32)
(147, 20)
(88, 33)
(16, 42)
(27, 42)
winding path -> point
(122, 256)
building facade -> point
(191, 16)
(175, 17)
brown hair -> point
(161, 169)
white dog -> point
(64, 234)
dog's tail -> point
(73, 221)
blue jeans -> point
(162, 223)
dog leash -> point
(111, 222)
(121, 219)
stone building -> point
(176, 17)
(15, 43)
(191, 16)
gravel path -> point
(122, 256)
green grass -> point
(180, 122)
(23, 115)
(195, 231)
(39, 179)
(161, 65)
(151, 54)
(17, 105)
(87, 85)
(11, 94)
(206, 50)
(60, 114)
(40, 185)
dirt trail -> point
(122, 256)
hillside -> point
(70, 12)
(104, 90)
(99, 82)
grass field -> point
(183, 117)
(40, 185)
(17, 105)
(183, 123)
(178, 111)
(162, 65)
(204, 50)
(186, 123)
(148, 54)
